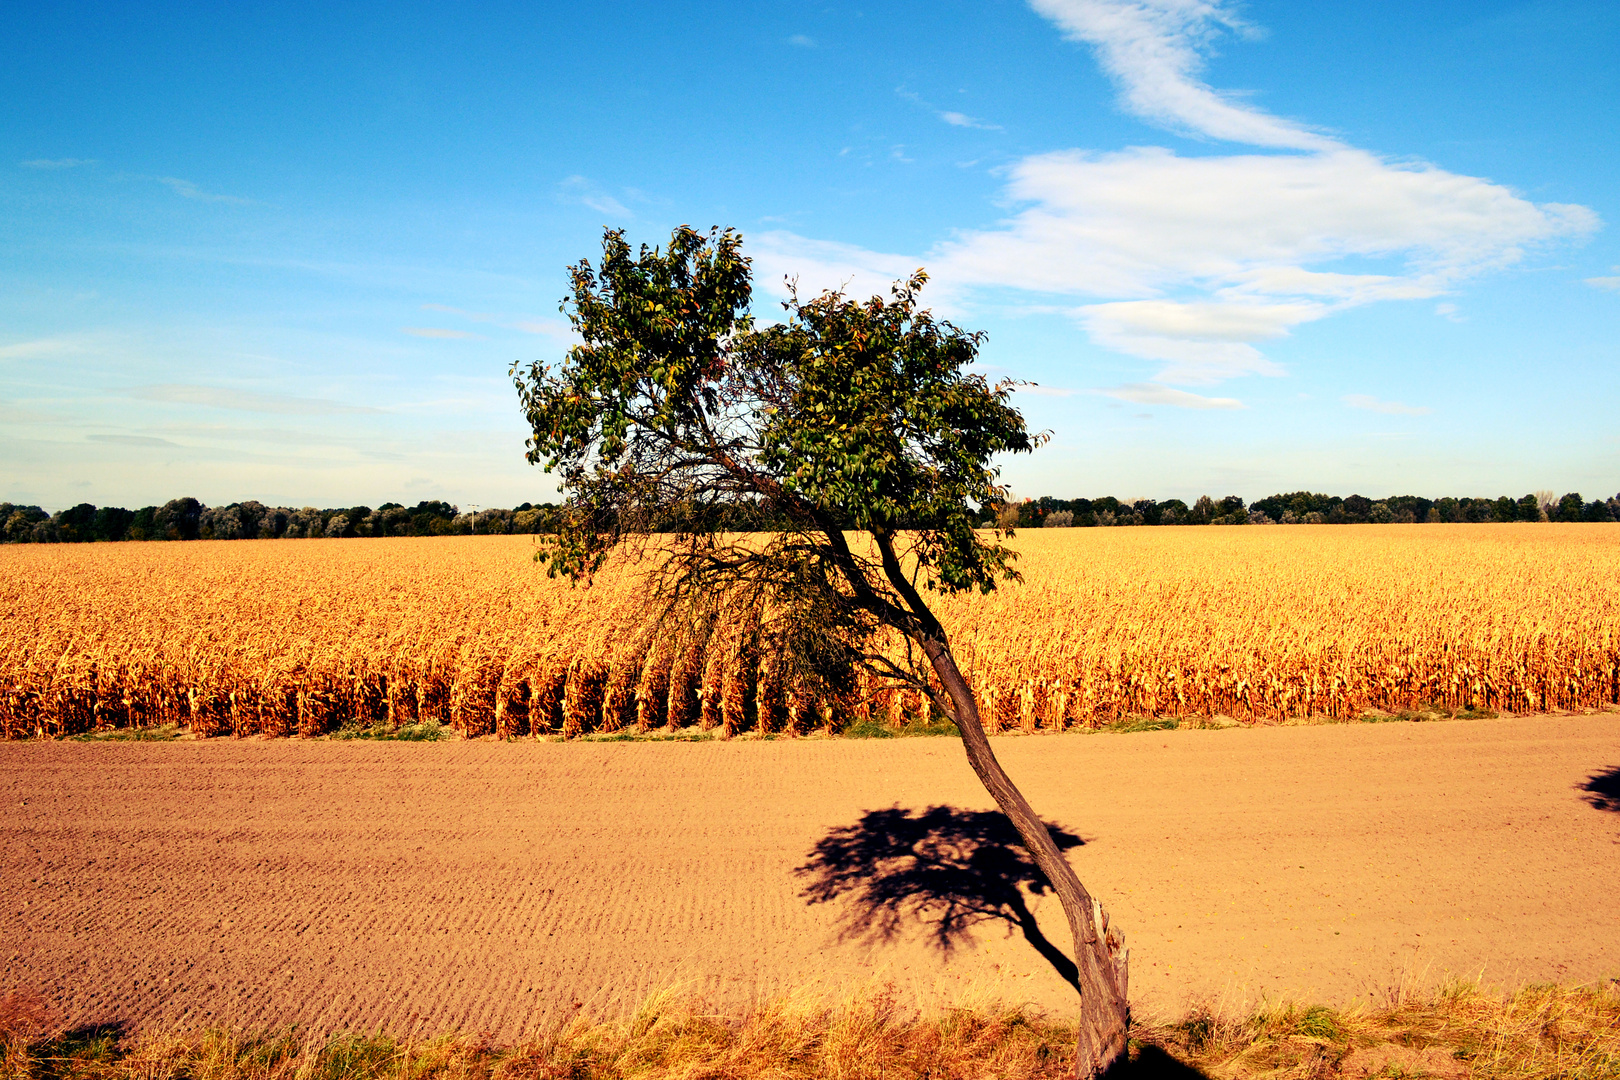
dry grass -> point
(1540, 1032)
(667, 1036)
(1459, 1031)
(1111, 627)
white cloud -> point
(132, 440)
(1154, 394)
(1154, 50)
(471, 316)
(956, 119)
(441, 333)
(1201, 342)
(581, 190)
(951, 117)
(1349, 289)
(555, 329)
(38, 350)
(802, 41)
(1612, 283)
(1245, 243)
(1141, 220)
(1137, 393)
(1135, 222)
(219, 397)
(1388, 408)
(58, 163)
(187, 190)
(822, 264)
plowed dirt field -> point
(495, 886)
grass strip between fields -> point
(433, 731)
(1458, 1031)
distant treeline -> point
(188, 519)
(1299, 508)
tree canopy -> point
(846, 415)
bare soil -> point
(501, 886)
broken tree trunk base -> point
(1104, 1027)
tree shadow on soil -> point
(943, 866)
(1603, 790)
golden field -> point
(1265, 624)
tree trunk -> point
(1099, 952)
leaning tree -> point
(857, 430)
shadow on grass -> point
(91, 1050)
(944, 867)
(91, 1038)
(1603, 790)
(1154, 1063)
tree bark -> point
(1099, 952)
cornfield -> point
(1257, 624)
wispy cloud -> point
(1154, 50)
(551, 328)
(1388, 408)
(557, 329)
(956, 119)
(10, 414)
(1154, 394)
(58, 163)
(951, 117)
(219, 397)
(827, 264)
(471, 316)
(1611, 283)
(1199, 342)
(803, 41)
(35, 350)
(579, 189)
(1139, 394)
(132, 440)
(441, 332)
(188, 190)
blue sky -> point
(288, 252)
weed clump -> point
(426, 731)
(914, 726)
(1133, 724)
(165, 733)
